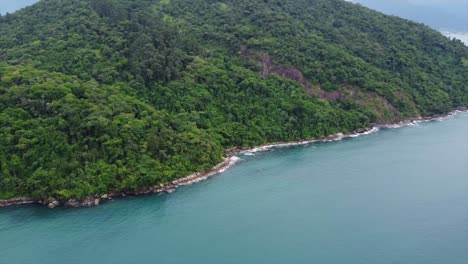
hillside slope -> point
(114, 95)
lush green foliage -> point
(67, 137)
(102, 95)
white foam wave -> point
(332, 138)
(341, 136)
(232, 161)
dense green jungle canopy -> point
(103, 95)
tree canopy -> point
(104, 95)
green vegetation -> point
(104, 95)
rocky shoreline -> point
(230, 159)
(91, 201)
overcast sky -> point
(451, 15)
(12, 5)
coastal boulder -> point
(53, 204)
(72, 203)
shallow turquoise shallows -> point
(396, 196)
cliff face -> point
(294, 74)
(384, 110)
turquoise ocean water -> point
(395, 196)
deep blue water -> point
(396, 196)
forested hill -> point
(103, 95)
